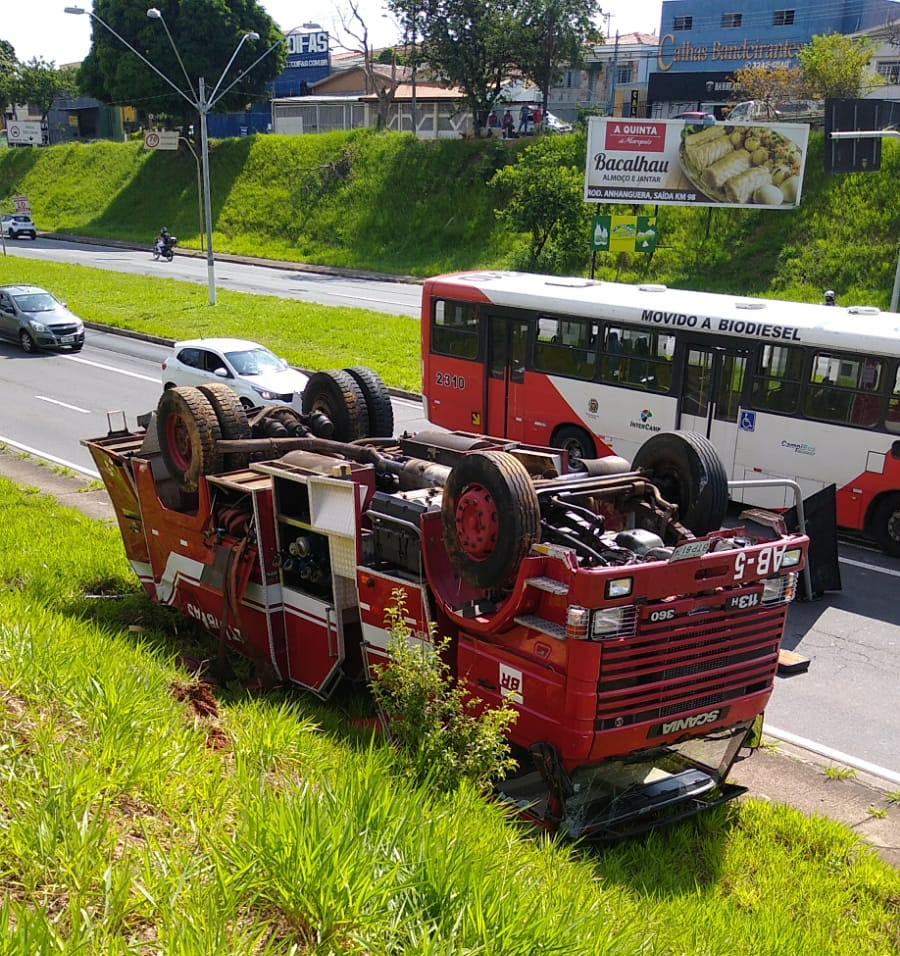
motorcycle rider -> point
(162, 240)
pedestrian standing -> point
(524, 118)
(509, 125)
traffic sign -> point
(161, 139)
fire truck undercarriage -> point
(636, 637)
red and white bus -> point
(782, 389)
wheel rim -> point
(27, 344)
(179, 443)
(477, 523)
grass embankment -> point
(389, 203)
(141, 814)
(308, 336)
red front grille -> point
(691, 662)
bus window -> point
(776, 379)
(698, 382)
(845, 389)
(637, 357)
(892, 422)
(566, 346)
(509, 348)
(454, 329)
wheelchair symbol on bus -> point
(747, 422)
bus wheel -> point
(188, 432)
(689, 473)
(885, 525)
(490, 517)
(336, 395)
(232, 418)
(577, 444)
(378, 401)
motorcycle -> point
(164, 248)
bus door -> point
(711, 387)
(505, 384)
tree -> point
(542, 194)
(206, 34)
(384, 88)
(553, 33)
(8, 65)
(39, 83)
(771, 85)
(837, 66)
(473, 45)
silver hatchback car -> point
(36, 319)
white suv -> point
(18, 224)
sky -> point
(39, 28)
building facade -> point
(703, 42)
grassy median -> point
(308, 336)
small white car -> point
(18, 225)
(257, 375)
(553, 124)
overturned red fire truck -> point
(636, 637)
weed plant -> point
(143, 812)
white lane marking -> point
(53, 401)
(833, 754)
(869, 567)
(112, 368)
(48, 457)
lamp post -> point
(200, 102)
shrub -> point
(445, 733)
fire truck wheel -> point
(577, 444)
(188, 432)
(336, 394)
(885, 527)
(378, 401)
(232, 418)
(490, 517)
(689, 473)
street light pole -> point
(200, 103)
(207, 199)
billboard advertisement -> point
(673, 163)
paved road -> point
(49, 402)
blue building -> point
(703, 42)
(308, 60)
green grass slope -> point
(389, 203)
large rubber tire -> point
(576, 443)
(188, 432)
(336, 394)
(232, 420)
(885, 525)
(29, 347)
(689, 473)
(490, 517)
(378, 401)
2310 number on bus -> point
(446, 380)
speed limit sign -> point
(161, 139)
